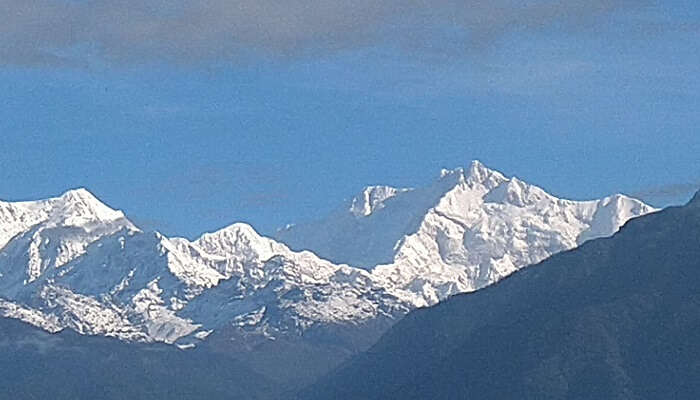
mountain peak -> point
(81, 205)
(372, 198)
(79, 195)
(77, 207)
(239, 239)
(481, 173)
(477, 172)
(229, 235)
(237, 229)
(477, 166)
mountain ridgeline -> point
(616, 318)
(293, 307)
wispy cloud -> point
(670, 192)
(54, 32)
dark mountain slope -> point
(616, 318)
(39, 365)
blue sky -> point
(269, 119)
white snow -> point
(480, 228)
(372, 199)
(72, 262)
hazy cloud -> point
(669, 194)
(50, 32)
(671, 191)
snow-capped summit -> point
(476, 173)
(74, 208)
(372, 198)
(242, 241)
(50, 233)
(83, 266)
(80, 206)
(479, 172)
(467, 230)
(71, 262)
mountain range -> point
(616, 318)
(329, 287)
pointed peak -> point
(239, 240)
(476, 172)
(237, 230)
(621, 200)
(80, 204)
(79, 194)
(241, 227)
(84, 198)
(476, 165)
(372, 198)
(481, 173)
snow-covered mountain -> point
(467, 230)
(74, 263)
(71, 262)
